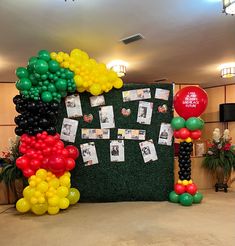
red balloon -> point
(191, 101)
(70, 164)
(196, 134)
(22, 162)
(44, 163)
(176, 133)
(35, 164)
(179, 189)
(73, 151)
(184, 133)
(65, 153)
(49, 140)
(28, 172)
(56, 163)
(191, 189)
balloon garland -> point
(189, 103)
(45, 160)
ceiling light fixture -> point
(119, 67)
(229, 7)
(228, 72)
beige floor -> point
(126, 224)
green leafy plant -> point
(9, 172)
(220, 154)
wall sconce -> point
(229, 7)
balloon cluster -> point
(44, 78)
(189, 129)
(190, 102)
(185, 151)
(47, 193)
(185, 193)
(45, 151)
(35, 117)
(89, 75)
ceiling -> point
(185, 41)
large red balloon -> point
(179, 189)
(191, 101)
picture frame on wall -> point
(200, 148)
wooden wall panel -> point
(231, 127)
(230, 93)
(209, 128)
(6, 132)
(216, 96)
(7, 107)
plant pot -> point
(222, 179)
(19, 187)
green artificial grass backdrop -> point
(132, 180)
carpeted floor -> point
(126, 224)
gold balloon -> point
(22, 205)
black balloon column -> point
(185, 160)
(35, 117)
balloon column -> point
(45, 160)
(190, 102)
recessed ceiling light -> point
(227, 70)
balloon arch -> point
(45, 160)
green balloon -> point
(41, 66)
(51, 87)
(32, 61)
(53, 66)
(46, 96)
(63, 93)
(22, 72)
(186, 199)
(202, 124)
(197, 198)
(61, 85)
(24, 84)
(173, 197)
(44, 55)
(43, 76)
(73, 196)
(177, 123)
(33, 79)
(193, 123)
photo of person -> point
(148, 151)
(95, 133)
(133, 95)
(106, 117)
(89, 155)
(73, 106)
(145, 110)
(97, 101)
(142, 112)
(69, 130)
(165, 135)
(66, 129)
(117, 151)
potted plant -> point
(10, 175)
(220, 158)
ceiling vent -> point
(161, 80)
(132, 38)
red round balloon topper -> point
(191, 101)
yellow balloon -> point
(38, 180)
(43, 186)
(66, 64)
(179, 181)
(53, 55)
(75, 52)
(185, 182)
(22, 205)
(54, 183)
(65, 181)
(66, 57)
(28, 192)
(32, 178)
(190, 181)
(188, 140)
(59, 58)
(39, 209)
(118, 83)
(33, 200)
(95, 89)
(41, 173)
(52, 210)
(54, 201)
(62, 191)
(41, 199)
(64, 203)
(81, 89)
(78, 80)
(37, 193)
(32, 183)
(67, 174)
(72, 67)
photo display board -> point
(138, 164)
